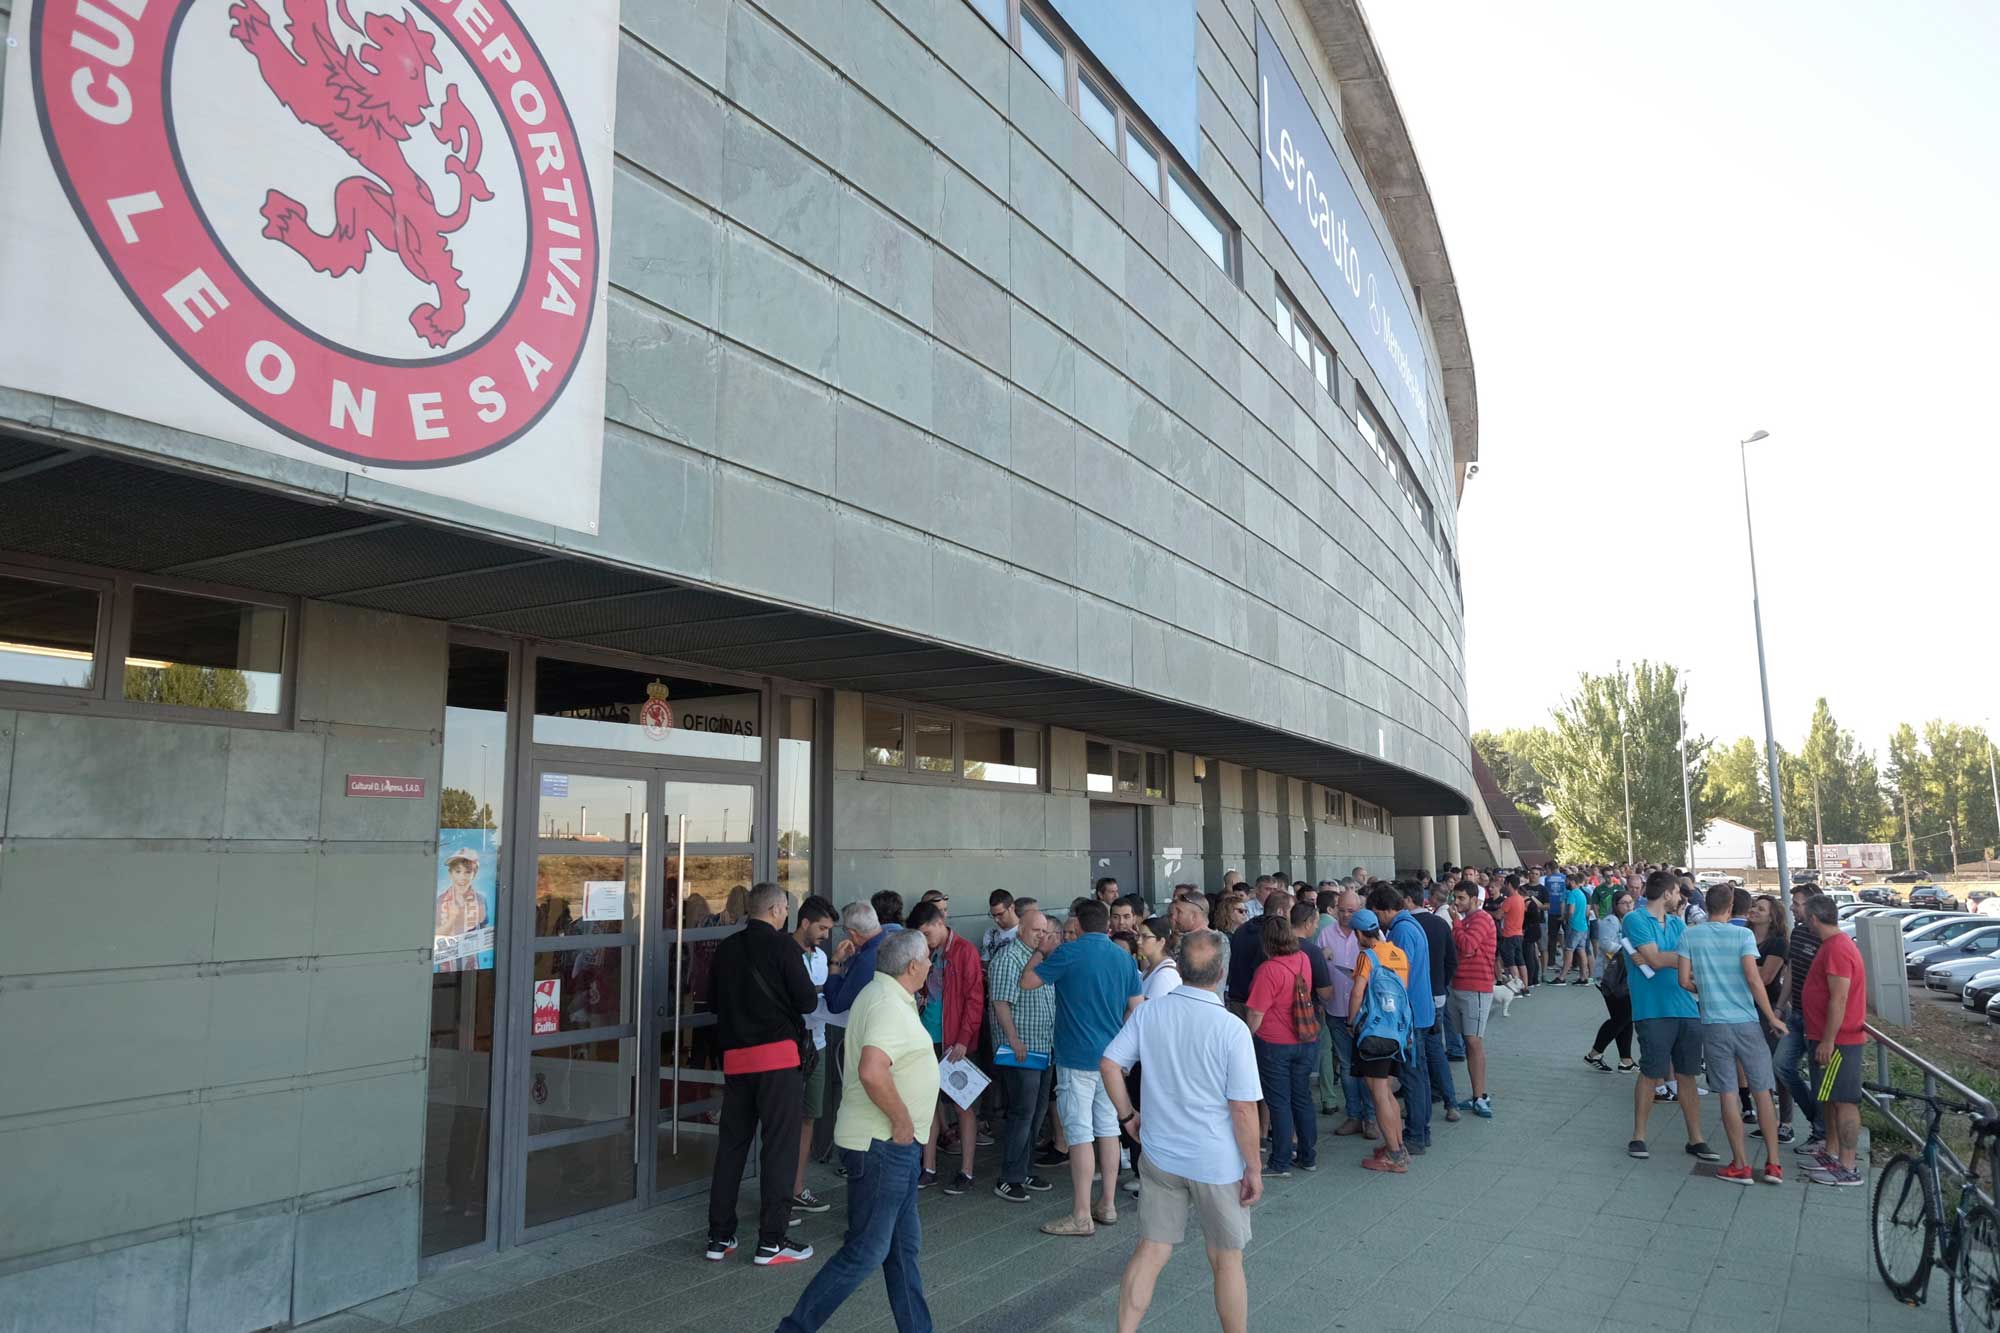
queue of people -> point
(1190, 1055)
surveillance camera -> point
(1472, 469)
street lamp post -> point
(1764, 684)
(1687, 800)
(1625, 763)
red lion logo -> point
(367, 100)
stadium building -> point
(481, 483)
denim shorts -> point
(1669, 1046)
(1084, 1106)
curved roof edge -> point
(1374, 126)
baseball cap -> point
(464, 854)
(1364, 920)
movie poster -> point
(464, 897)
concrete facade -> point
(215, 967)
(893, 342)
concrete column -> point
(1427, 835)
(1451, 847)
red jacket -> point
(1473, 936)
(964, 993)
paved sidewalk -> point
(1535, 1219)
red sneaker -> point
(1773, 1174)
(1736, 1175)
(1394, 1163)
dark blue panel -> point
(1148, 47)
(1307, 193)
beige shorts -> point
(1164, 1201)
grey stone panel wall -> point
(881, 292)
(216, 963)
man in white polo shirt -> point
(1199, 1134)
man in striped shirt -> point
(1790, 1056)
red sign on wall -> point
(369, 784)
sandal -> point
(1103, 1216)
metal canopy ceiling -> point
(108, 510)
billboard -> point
(368, 234)
(1307, 192)
(1854, 856)
(1795, 855)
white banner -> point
(370, 234)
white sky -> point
(1674, 225)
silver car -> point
(1950, 976)
(1979, 990)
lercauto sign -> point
(368, 233)
(1307, 192)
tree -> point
(187, 686)
(1735, 785)
(1942, 774)
(1583, 768)
(1851, 804)
(458, 809)
(1509, 754)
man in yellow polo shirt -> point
(891, 1078)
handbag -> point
(808, 1053)
(1616, 983)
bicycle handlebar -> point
(1982, 1124)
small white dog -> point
(1505, 991)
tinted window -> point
(48, 633)
(204, 652)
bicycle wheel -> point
(1975, 1278)
(1903, 1219)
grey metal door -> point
(1114, 845)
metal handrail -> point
(1933, 1076)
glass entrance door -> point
(709, 845)
(639, 875)
(594, 863)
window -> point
(1131, 767)
(1156, 776)
(603, 707)
(995, 752)
(204, 652)
(48, 633)
(1097, 766)
(1303, 337)
(1142, 162)
(797, 719)
(1095, 108)
(100, 638)
(882, 737)
(930, 743)
(948, 747)
(1202, 222)
(1372, 429)
(1334, 805)
(472, 818)
(1039, 39)
(1043, 53)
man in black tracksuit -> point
(760, 993)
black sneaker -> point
(1704, 1152)
(805, 1201)
(1637, 1148)
(960, 1183)
(1785, 1134)
(718, 1250)
(1037, 1184)
(1277, 1173)
(926, 1179)
(785, 1252)
(1050, 1157)
(1011, 1193)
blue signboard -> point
(1308, 194)
(555, 784)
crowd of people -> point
(1189, 1056)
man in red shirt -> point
(1836, 1008)
(1472, 934)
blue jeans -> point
(882, 1232)
(1785, 1061)
(1454, 1041)
(1027, 1093)
(1353, 1092)
(1416, 1075)
(1439, 1068)
(1285, 1069)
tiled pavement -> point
(1535, 1219)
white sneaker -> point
(1132, 1185)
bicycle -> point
(1912, 1232)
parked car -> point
(1708, 879)
(1940, 929)
(1908, 877)
(1881, 895)
(1973, 944)
(1993, 1013)
(1979, 898)
(1981, 988)
(1900, 913)
(1931, 895)
(1949, 975)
